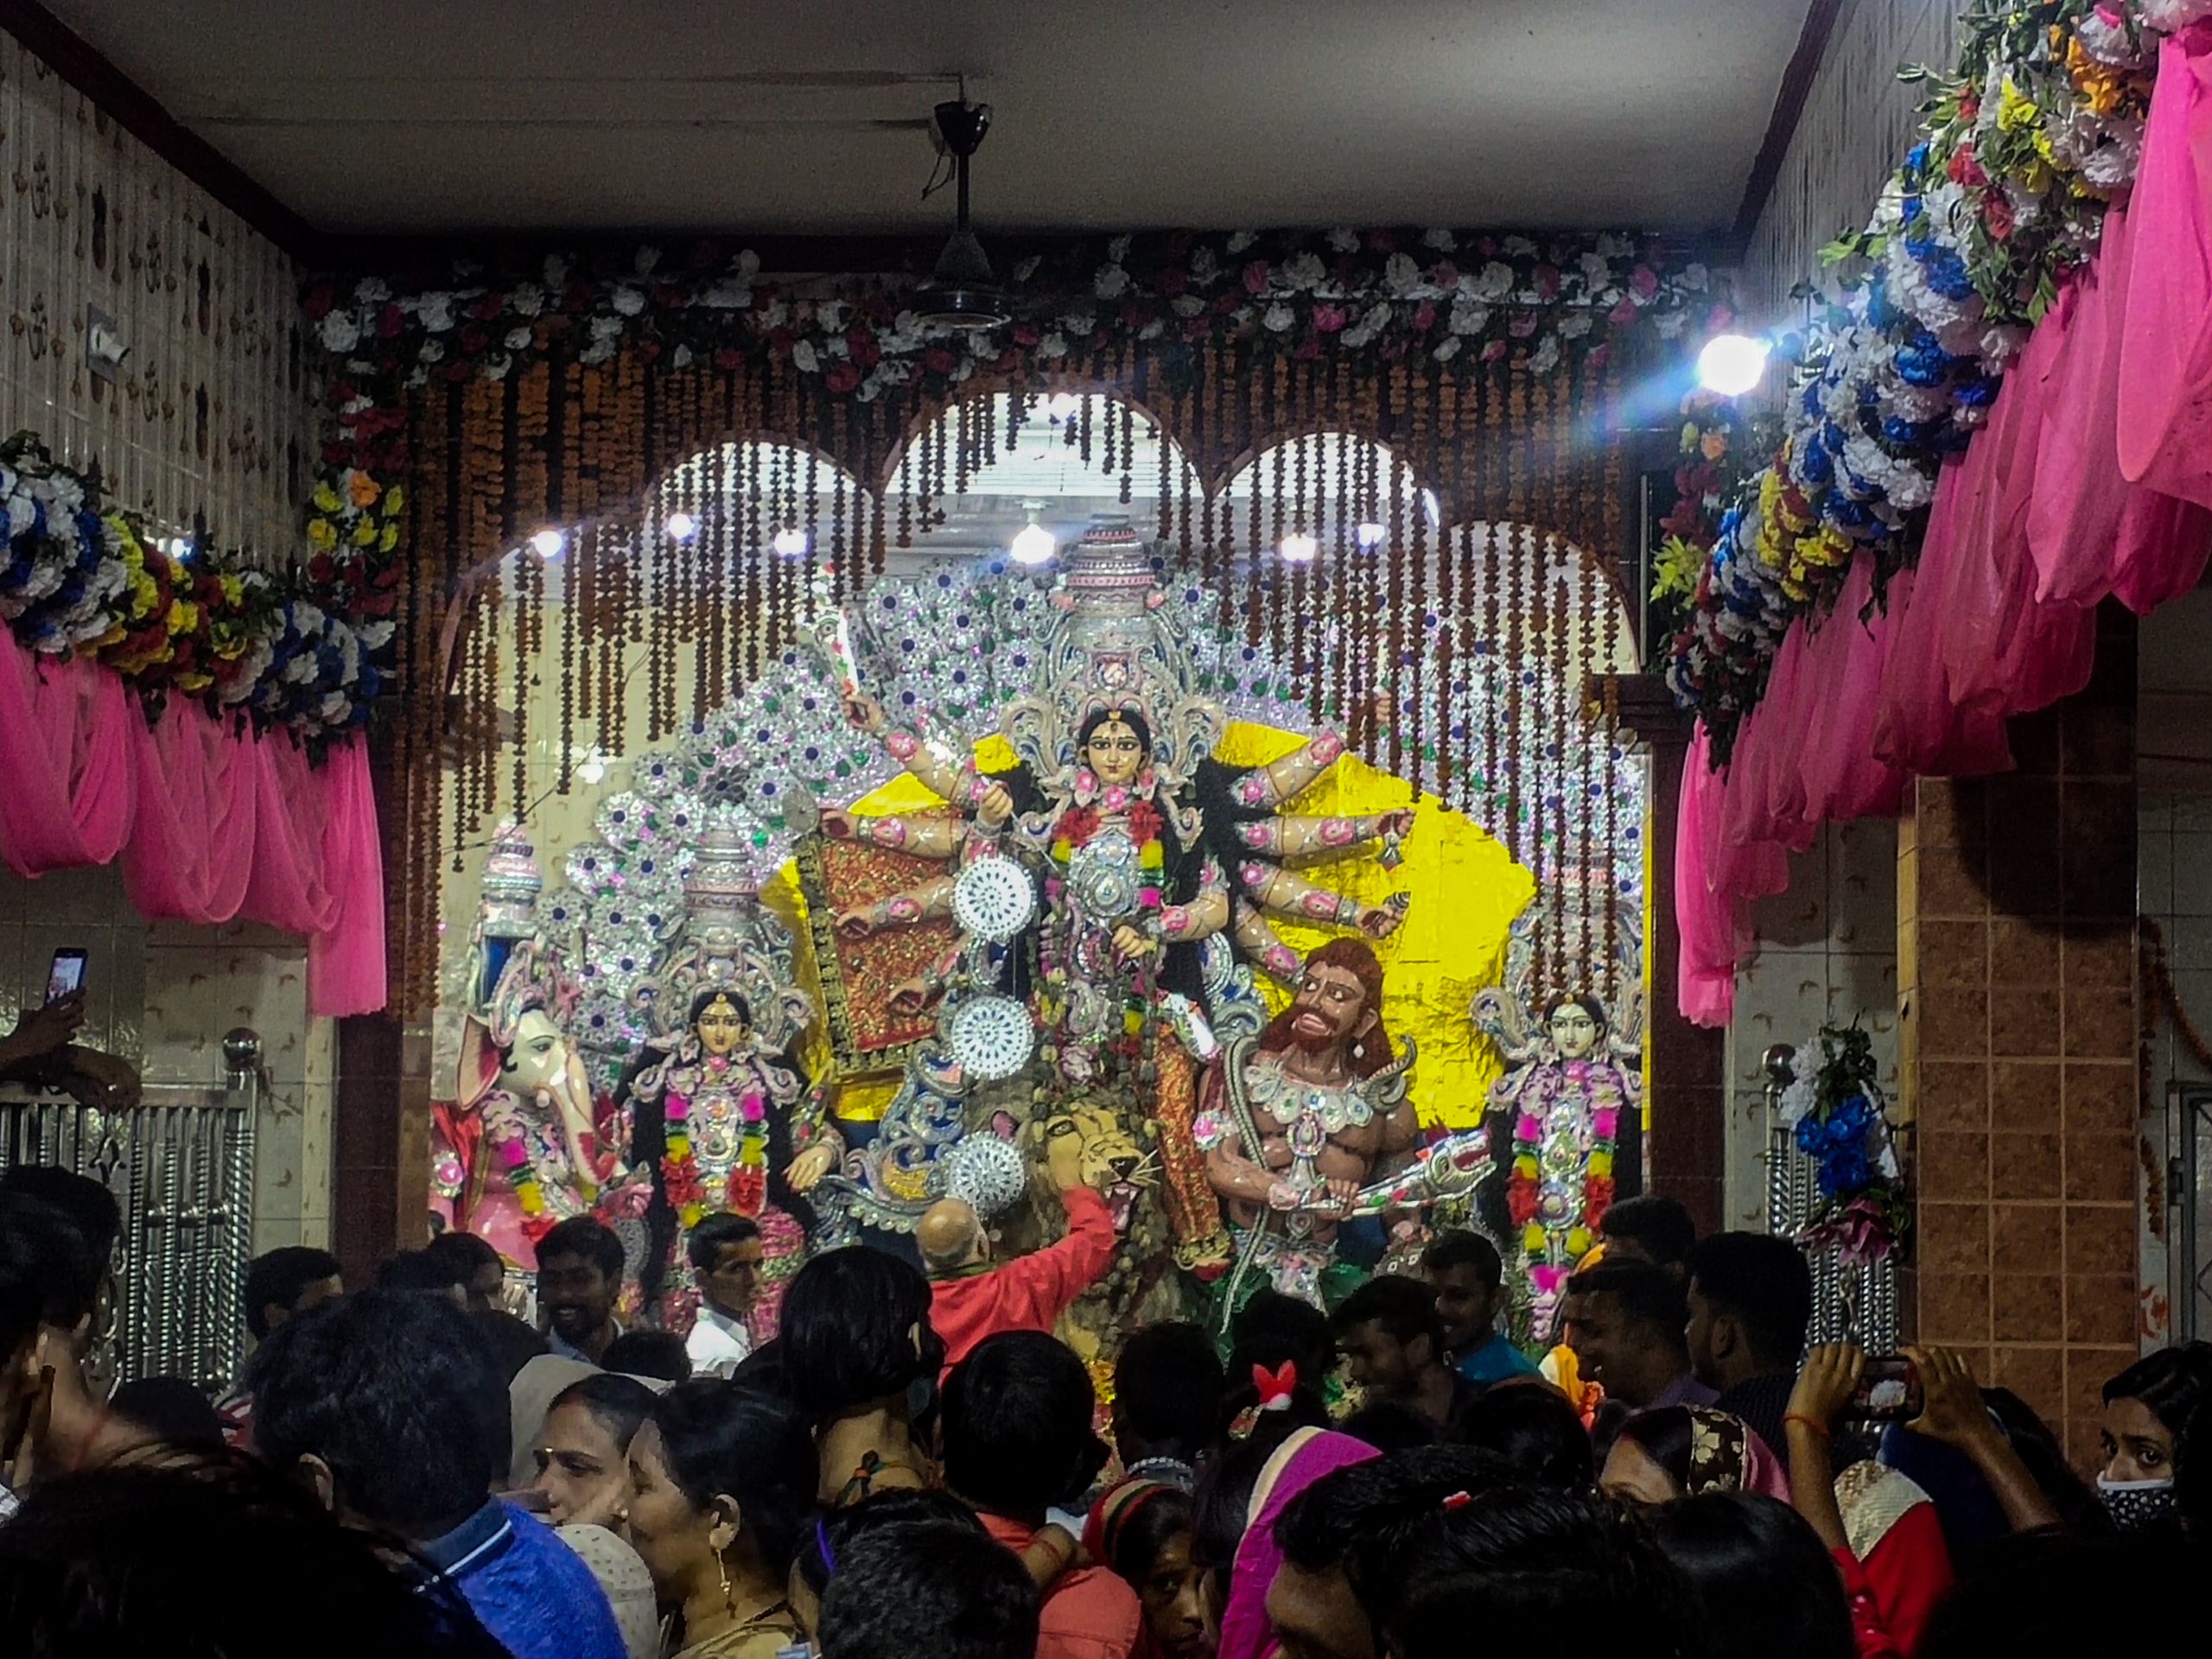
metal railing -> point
(1855, 1304)
(180, 1168)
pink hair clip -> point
(1456, 1501)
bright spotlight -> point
(789, 543)
(1371, 534)
(1298, 547)
(682, 526)
(548, 543)
(1033, 544)
(1731, 365)
(1061, 404)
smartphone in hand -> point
(66, 976)
(1889, 1391)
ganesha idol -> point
(520, 1150)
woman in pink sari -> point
(1305, 1457)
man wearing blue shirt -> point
(387, 1405)
(1468, 1281)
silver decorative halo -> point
(989, 1173)
(994, 899)
(990, 1036)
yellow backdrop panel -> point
(1467, 891)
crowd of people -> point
(408, 1468)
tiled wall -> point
(211, 413)
(162, 995)
(211, 410)
(2017, 966)
(1825, 953)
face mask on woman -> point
(2133, 1503)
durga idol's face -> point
(1115, 752)
(721, 1028)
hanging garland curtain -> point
(1492, 374)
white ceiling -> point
(807, 115)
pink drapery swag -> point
(2094, 477)
(211, 826)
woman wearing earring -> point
(721, 1478)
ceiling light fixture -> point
(1298, 547)
(1732, 365)
(1371, 534)
(961, 292)
(1032, 544)
(549, 543)
(790, 542)
(682, 526)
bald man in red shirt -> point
(975, 1298)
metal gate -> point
(2188, 1210)
(1855, 1304)
(180, 1168)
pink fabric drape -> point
(2094, 477)
(1307, 1456)
(210, 826)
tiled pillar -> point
(1687, 1063)
(2016, 904)
(381, 1181)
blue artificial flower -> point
(1809, 1135)
(1903, 433)
(1843, 1173)
(1815, 465)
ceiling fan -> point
(961, 292)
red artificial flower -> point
(1548, 281)
(1255, 277)
(1307, 349)
(1425, 316)
(1077, 825)
(1597, 1198)
(861, 346)
(390, 321)
(841, 377)
(680, 1177)
(320, 300)
(1027, 333)
(1173, 280)
(1446, 275)
(1145, 823)
(747, 1190)
(1521, 1200)
(1329, 319)
(1382, 242)
(488, 305)
(727, 357)
(474, 338)
(1964, 167)
(649, 349)
(1997, 214)
(939, 359)
(534, 1228)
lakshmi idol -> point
(711, 1119)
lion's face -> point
(1090, 1144)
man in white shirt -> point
(725, 1253)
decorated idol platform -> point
(993, 861)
